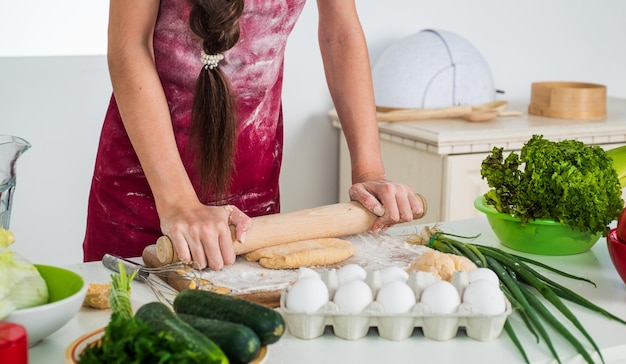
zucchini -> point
(161, 318)
(239, 342)
(267, 323)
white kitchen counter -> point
(610, 294)
(456, 136)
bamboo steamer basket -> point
(568, 100)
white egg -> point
(483, 273)
(353, 296)
(374, 280)
(484, 297)
(441, 297)
(305, 272)
(396, 297)
(419, 280)
(350, 272)
(460, 280)
(393, 273)
(307, 295)
(330, 278)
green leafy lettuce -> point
(566, 181)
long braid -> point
(213, 119)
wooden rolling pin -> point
(330, 221)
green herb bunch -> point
(129, 340)
(565, 181)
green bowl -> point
(66, 291)
(62, 283)
(545, 237)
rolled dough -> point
(305, 253)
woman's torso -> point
(120, 201)
(254, 68)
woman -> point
(188, 163)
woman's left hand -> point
(392, 202)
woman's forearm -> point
(346, 64)
(141, 100)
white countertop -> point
(457, 136)
(610, 294)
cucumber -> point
(239, 342)
(267, 323)
(161, 318)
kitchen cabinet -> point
(441, 158)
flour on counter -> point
(372, 252)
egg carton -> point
(435, 326)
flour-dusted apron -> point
(122, 217)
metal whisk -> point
(153, 276)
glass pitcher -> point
(11, 147)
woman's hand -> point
(348, 73)
(392, 202)
(203, 234)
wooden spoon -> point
(477, 113)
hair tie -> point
(210, 61)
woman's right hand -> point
(202, 233)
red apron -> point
(122, 217)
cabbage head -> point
(21, 285)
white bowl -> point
(67, 291)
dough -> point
(305, 253)
(462, 264)
(441, 265)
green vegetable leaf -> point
(128, 341)
(119, 295)
(21, 284)
(566, 181)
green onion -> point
(521, 283)
(550, 268)
(509, 330)
(517, 291)
(463, 249)
(119, 295)
(520, 309)
(534, 301)
(558, 289)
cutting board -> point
(179, 282)
(251, 281)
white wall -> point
(53, 28)
(54, 88)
